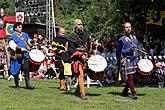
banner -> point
(9, 28)
(20, 17)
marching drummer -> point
(79, 46)
(19, 50)
(127, 47)
(60, 47)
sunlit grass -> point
(47, 96)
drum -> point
(36, 57)
(96, 67)
(145, 67)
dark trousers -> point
(59, 65)
(25, 68)
(129, 84)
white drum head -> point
(36, 55)
(97, 63)
(145, 65)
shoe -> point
(17, 87)
(30, 87)
(125, 93)
(77, 93)
(134, 96)
(62, 88)
(62, 85)
(68, 92)
(83, 97)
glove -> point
(24, 50)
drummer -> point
(127, 47)
(79, 46)
(19, 50)
(59, 46)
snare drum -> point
(96, 65)
(36, 57)
(145, 67)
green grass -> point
(47, 96)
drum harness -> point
(136, 48)
(23, 40)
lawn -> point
(47, 96)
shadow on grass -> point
(115, 93)
(92, 94)
(78, 95)
(23, 88)
(54, 87)
(12, 87)
(119, 94)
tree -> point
(9, 6)
(102, 17)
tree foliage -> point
(8, 5)
(101, 17)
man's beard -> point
(128, 34)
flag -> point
(20, 17)
(9, 29)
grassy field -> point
(47, 96)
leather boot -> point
(16, 80)
(62, 85)
(134, 96)
(77, 91)
(125, 92)
(67, 89)
(28, 86)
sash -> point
(23, 40)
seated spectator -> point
(50, 74)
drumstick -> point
(34, 52)
(135, 46)
(141, 50)
(93, 59)
(147, 62)
(93, 64)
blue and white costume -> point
(127, 49)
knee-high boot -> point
(77, 91)
(125, 90)
(27, 77)
(62, 84)
(27, 81)
(16, 80)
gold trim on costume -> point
(129, 67)
(131, 72)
